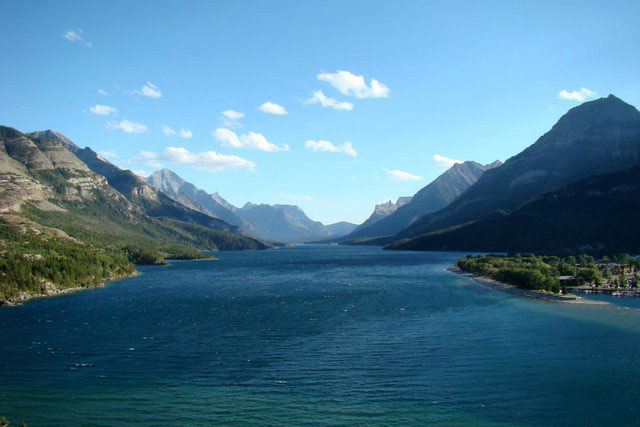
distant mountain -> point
(47, 178)
(285, 223)
(279, 223)
(383, 210)
(189, 195)
(435, 196)
(597, 137)
(341, 228)
(597, 214)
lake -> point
(322, 335)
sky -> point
(334, 106)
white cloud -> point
(445, 162)
(102, 110)
(141, 173)
(399, 175)
(353, 85)
(127, 126)
(76, 36)
(232, 114)
(272, 108)
(577, 95)
(230, 118)
(185, 133)
(320, 145)
(295, 197)
(207, 160)
(228, 138)
(168, 130)
(149, 90)
(103, 92)
(108, 154)
(319, 97)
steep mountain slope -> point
(599, 214)
(435, 196)
(42, 178)
(594, 138)
(178, 189)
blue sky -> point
(461, 80)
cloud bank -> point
(207, 160)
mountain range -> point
(279, 223)
(539, 194)
(559, 194)
(391, 220)
(46, 178)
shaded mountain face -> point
(599, 214)
(435, 196)
(47, 177)
(189, 195)
(594, 138)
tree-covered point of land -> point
(33, 262)
(544, 272)
(528, 272)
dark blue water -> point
(317, 335)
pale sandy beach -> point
(504, 287)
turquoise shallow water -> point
(318, 335)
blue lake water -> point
(322, 335)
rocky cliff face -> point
(44, 171)
(383, 210)
(40, 169)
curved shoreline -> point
(24, 297)
(514, 290)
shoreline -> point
(514, 290)
(21, 298)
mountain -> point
(383, 210)
(178, 189)
(594, 138)
(597, 214)
(46, 178)
(433, 197)
(341, 228)
(287, 223)
(281, 223)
